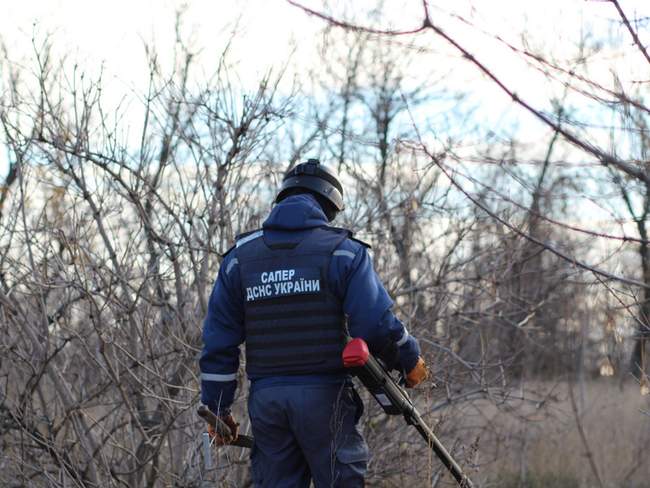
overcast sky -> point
(114, 32)
(95, 33)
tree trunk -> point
(638, 360)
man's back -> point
(286, 290)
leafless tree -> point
(111, 238)
(543, 260)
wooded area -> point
(519, 257)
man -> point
(286, 291)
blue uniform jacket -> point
(351, 278)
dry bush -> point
(108, 253)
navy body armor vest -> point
(293, 322)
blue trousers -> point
(304, 433)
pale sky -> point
(91, 31)
(95, 33)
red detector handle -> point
(356, 353)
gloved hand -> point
(222, 438)
(418, 374)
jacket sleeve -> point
(223, 333)
(368, 305)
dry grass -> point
(538, 446)
(528, 444)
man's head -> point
(318, 180)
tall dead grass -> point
(540, 445)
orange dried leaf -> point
(645, 386)
(606, 367)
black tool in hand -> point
(222, 429)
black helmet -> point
(315, 177)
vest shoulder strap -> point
(242, 239)
(364, 244)
(223, 255)
(349, 235)
(339, 230)
(243, 235)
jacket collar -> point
(296, 212)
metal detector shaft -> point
(395, 401)
(440, 451)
